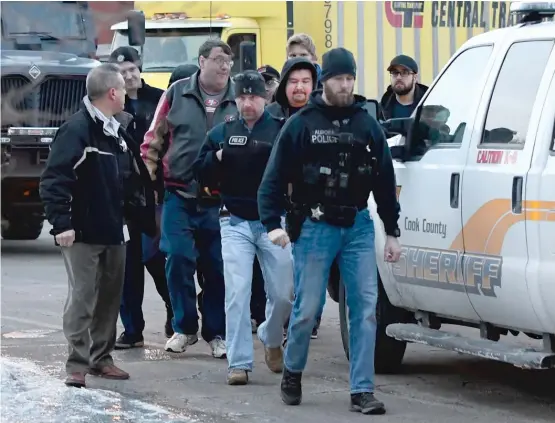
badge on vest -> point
(237, 140)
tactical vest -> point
(245, 155)
(337, 164)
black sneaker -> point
(291, 392)
(126, 341)
(366, 403)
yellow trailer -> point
(375, 32)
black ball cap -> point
(404, 61)
(125, 54)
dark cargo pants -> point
(95, 277)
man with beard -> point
(404, 93)
(140, 102)
(334, 154)
(190, 217)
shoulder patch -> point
(237, 140)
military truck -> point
(47, 49)
(40, 90)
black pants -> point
(258, 297)
(131, 308)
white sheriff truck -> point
(475, 168)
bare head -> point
(301, 45)
(106, 88)
(215, 61)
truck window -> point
(166, 49)
(446, 107)
(54, 19)
(515, 92)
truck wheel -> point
(22, 231)
(389, 352)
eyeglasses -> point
(220, 61)
(271, 82)
(403, 73)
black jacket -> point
(244, 158)
(93, 183)
(280, 108)
(147, 101)
(388, 100)
(296, 140)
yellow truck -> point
(375, 32)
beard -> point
(339, 99)
(403, 89)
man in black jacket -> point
(94, 184)
(404, 93)
(140, 102)
(334, 154)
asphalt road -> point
(435, 386)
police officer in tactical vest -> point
(334, 154)
(232, 161)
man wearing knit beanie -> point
(329, 152)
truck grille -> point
(46, 104)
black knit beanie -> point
(249, 82)
(338, 61)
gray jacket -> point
(178, 131)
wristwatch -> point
(396, 233)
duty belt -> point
(343, 216)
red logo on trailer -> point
(405, 14)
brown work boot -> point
(274, 359)
(109, 372)
(76, 380)
(237, 377)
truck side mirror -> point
(398, 126)
(372, 107)
(136, 28)
(247, 56)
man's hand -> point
(392, 251)
(219, 154)
(279, 237)
(66, 239)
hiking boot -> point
(126, 341)
(366, 403)
(291, 392)
(274, 359)
(237, 377)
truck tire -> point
(22, 230)
(389, 352)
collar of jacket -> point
(146, 92)
(192, 87)
(122, 117)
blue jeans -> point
(241, 240)
(313, 254)
(189, 231)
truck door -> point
(495, 186)
(540, 209)
(427, 276)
